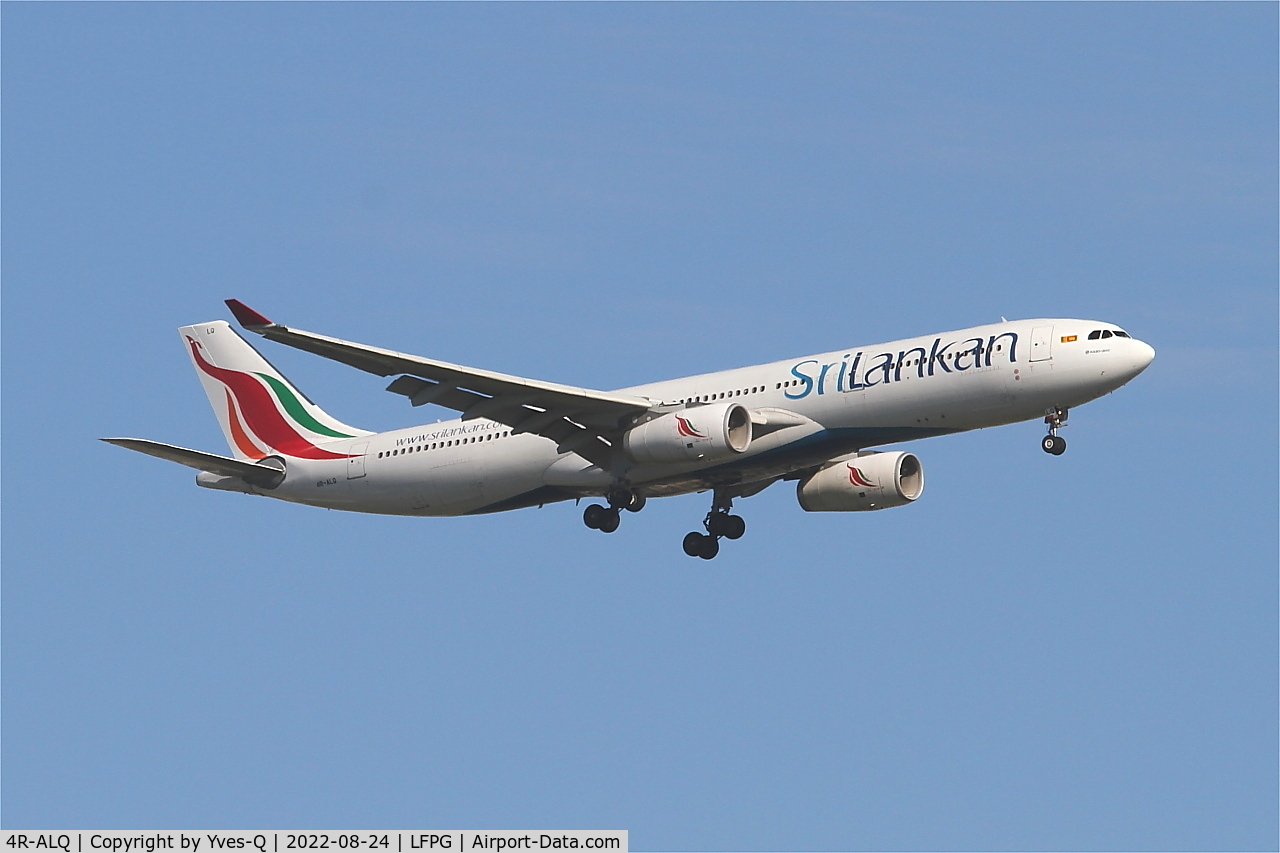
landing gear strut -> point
(1056, 418)
(626, 499)
(718, 523)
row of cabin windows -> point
(948, 355)
(706, 398)
(418, 448)
(1098, 334)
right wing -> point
(580, 420)
(254, 474)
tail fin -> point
(261, 413)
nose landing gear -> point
(1053, 443)
(719, 523)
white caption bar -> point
(274, 841)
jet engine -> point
(711, 432)
(864, 482)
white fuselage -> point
(845, 400)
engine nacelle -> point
(865, 482)
(709, 432)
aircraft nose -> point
(1143, 355)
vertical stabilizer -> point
(260, 412)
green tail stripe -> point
(294, 407)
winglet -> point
(246, 316)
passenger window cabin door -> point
(355, 462)
(1042, 343)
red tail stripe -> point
(238, 434)
(260, 413)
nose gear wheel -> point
(1055, 418)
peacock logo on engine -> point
(686, 429)
(857, 478)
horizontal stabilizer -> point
(264, 476)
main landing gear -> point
(607, 518)
(603, 518)
(1053, 443)
(718, 523)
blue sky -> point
(1075, 652)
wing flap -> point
(255, 474)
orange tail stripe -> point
(238, 434)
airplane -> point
(524, 442)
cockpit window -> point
(1095, 334)
(1106, 333)
(1120, 334)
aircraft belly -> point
(573, 472)
(448, 482)
(512, 469)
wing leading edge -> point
(577, 419)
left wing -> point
(577, 419)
